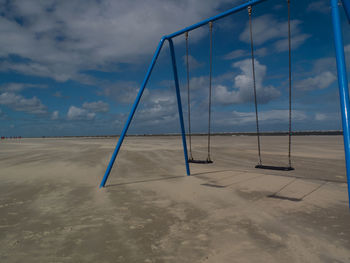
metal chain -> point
(290, 88)
(254, 82)
(188, 98)
(210, 80)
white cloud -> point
(75, 113)
(20, 103)
(324, 64)
(261, 52)
(97, 106)
(296, 41)
(320, 81)
(124, 91)
(320, 117)
(238, 53)
(271, 116)
(319, 6)
(243, 90)
(347, 48)
(282, 115)
(159, 105)
(199, 83)
(267, 28)
(55, 115)
(193, 63)
(57, 41)
(16, 87)
(159, 108)
(57, 94)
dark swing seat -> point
(200, 161)
(190, 159)
(260, 165)
(277, 168)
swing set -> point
(342, 83)
(191, 159)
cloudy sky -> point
(74, 67)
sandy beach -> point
(52, 209)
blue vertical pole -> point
(132, 112)
(178, 96)
(343, 86)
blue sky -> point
(74, 67)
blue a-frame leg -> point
(137, 101)
(132, 112)
(342, 81)
(178, 96)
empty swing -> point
(260, 165)
(191, 159)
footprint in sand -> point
(136, 227)
(202, 237)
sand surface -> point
(51, 209)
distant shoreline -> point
(278, 133)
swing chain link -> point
(254, 82)
(210, 84)
(188, 98)
(290, 87)
(190, 159)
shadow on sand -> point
(145, 181)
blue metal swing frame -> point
(341, 69)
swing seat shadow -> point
(200, 161)
(294, 190)
(145, 181)
(214, 185)
(293, 199)
(277, 168)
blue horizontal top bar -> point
(214, 18)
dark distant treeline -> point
(278, 133)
